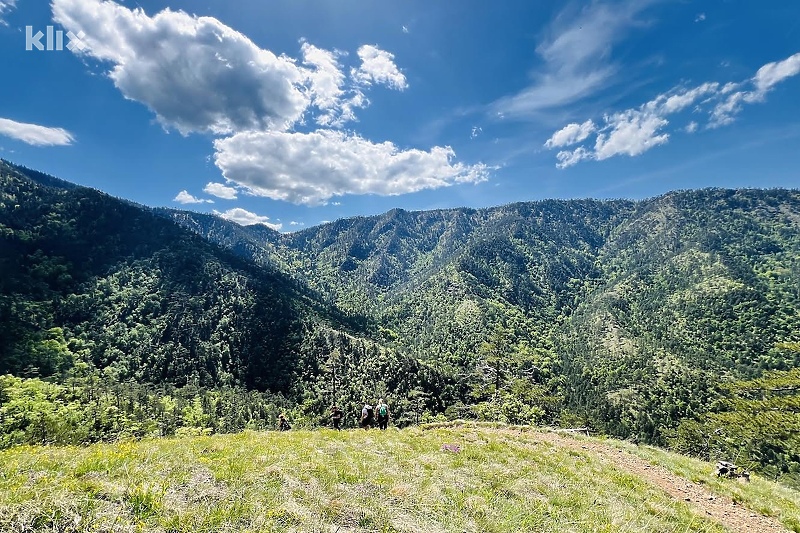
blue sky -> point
(294, 112)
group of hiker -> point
(377, 415)
(370, 415)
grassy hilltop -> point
(501, 479)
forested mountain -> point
(143, 296)
(639, 319)
(626, 316)
(100, 289)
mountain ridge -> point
(628, 316)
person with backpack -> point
(383, 414)
(367, 416)
(336, 417)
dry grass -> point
(325, 481)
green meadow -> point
(325, 481)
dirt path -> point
(705, 503)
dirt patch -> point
(704, 502)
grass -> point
(326, 481)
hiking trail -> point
(702, 501)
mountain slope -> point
(634, 318)
(90, 277)
(698, 287)
(631, 312)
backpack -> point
(383, 409)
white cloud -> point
(729, 87)
(637, 130)
(327, 79)
(34, 134)
(773, 73)
(220, 191)
(576, 57)
(763, 82)
(295, 223)
(571, 134)
(405, 29)
(476, 131)
(185, 198)
(567, 158)
(195, 73)
(327, 87)
(246, 218)
(700, 17)
(377, 66)
(723, 112)
(311, 168)
(6, 6)
(631, 133)
(682, 99)
(198, 75)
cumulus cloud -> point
(631, 133)
(576, 57)
(195, 73)
(220, 191)
(571, 134)
(635, 131)
(327, 78)
(377, 66)
(311, 168)
(328, 87)
(34, 134)
(246, 218)
(198, 75)
(185, 198)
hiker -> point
(283, 425)
(336, 417)
(367, 416)
(383, 414)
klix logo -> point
(53, 40)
